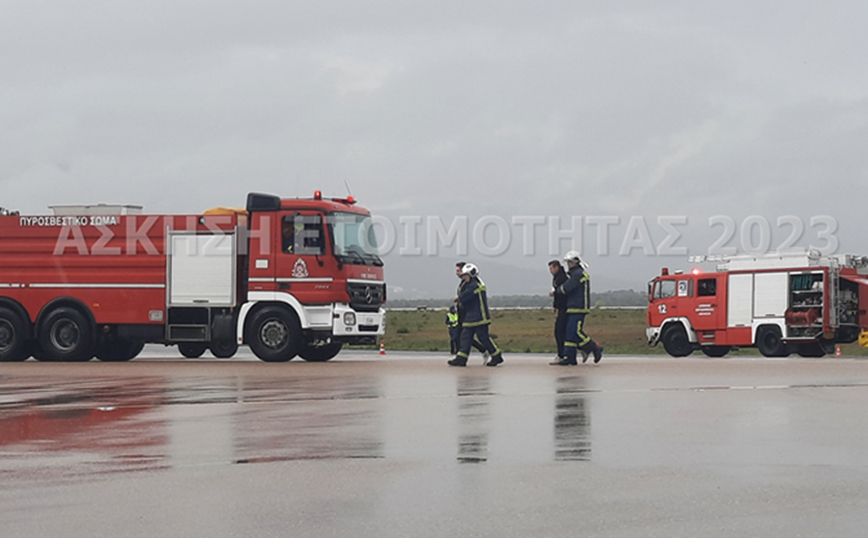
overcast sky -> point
(611, 109)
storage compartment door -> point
(202, 269)
(739, 302)
(771, 294)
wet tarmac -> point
(403, 445)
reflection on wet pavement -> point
(367, 447)
(572, 420)
(332, 418)
(473, 416)
(72, 427)
(73, 424)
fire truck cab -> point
(781, 304)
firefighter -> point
(577, 290)
(454, 328)
(287, 235)
(559, 305)
(474, 301)
(290, 232)
(475, 342)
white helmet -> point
(573, 256)
(469, 269)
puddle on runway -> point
(81, 427)
(61, 428)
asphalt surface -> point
(403, 445)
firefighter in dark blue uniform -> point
(577, 290)
(473, 301)
(559, 305)
(456, 333)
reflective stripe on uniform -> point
(583, 338)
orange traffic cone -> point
(382, 347)
(838, 351)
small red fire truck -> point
(800, 303)
(285, 276)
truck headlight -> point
(349, 318)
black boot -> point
(457, 361)
(598, 353)
(495, 360)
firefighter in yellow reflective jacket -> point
(474, 303)
(454, 328)
(577, 290)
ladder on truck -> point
(782, 260)
(834, 279)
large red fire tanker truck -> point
(800, 303)
(285, 276)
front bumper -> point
(350, 325)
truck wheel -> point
(716, 351)
(675, 341)
(321, 353)
(274, 334)
(224, 350)
(770, 343)
(192, 350)
(66, 335)
(13, 340)
(119, 350)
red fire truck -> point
(800, 303)
(285, 276)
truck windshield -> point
(664, 289)
(354, 238)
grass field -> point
(519, 331)
(621, 331)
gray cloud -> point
(509, 108)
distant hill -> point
(607, 298)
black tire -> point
(224, 350)
(274, 334)
(770, 342)
(321, 353)
(119, 350)
(812, 350)
(65, 335)
(675, 341)
(192, 350)
(223, 343)
(716, 351)
(13, 337)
